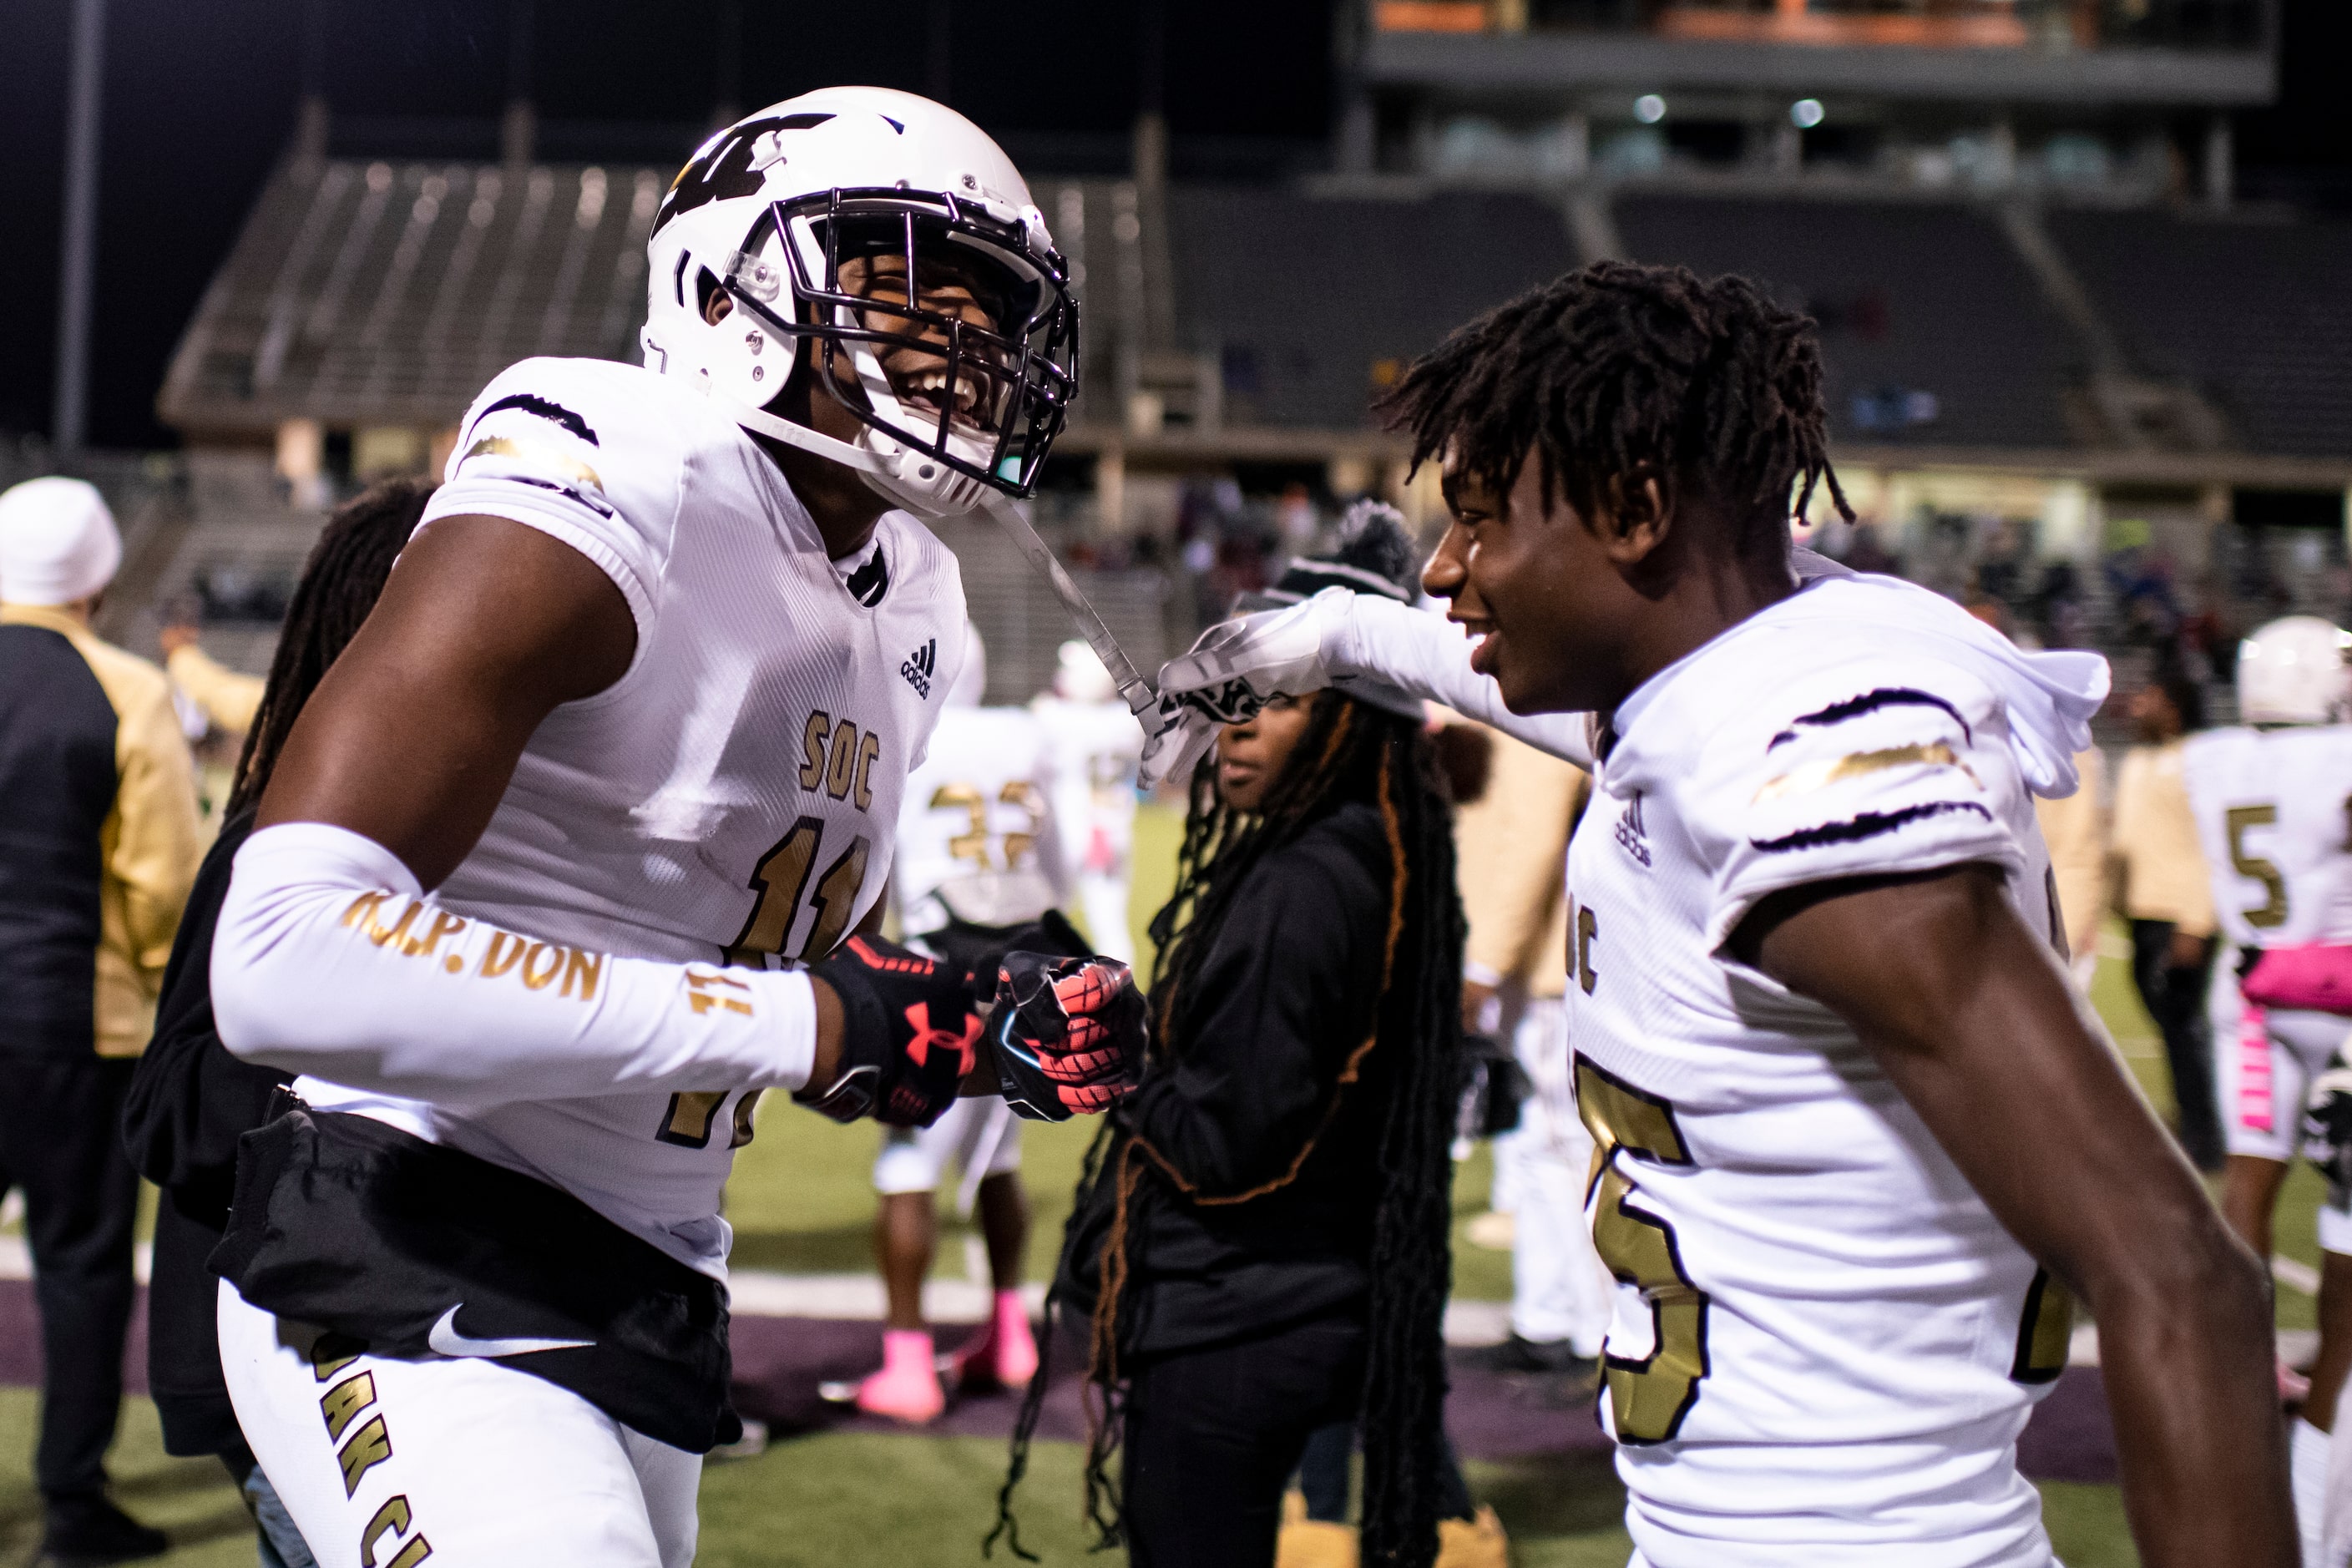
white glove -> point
(1236, 669)
(1336, 638)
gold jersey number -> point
(1020, 795)
(1649, 1397)
(2271, 913)
(782, 878)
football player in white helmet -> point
(566, 862)
(979, 859)
(1096, 746)
(2268, 796)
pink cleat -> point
(2292, 1386)
(908, 1387)
(1005, 1354)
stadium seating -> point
(1303, 345)
(2254, 312)
(1932, 328)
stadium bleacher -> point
(2252, 311)
(374, 292)
(1933, 330)
(1300, 346)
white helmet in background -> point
(2292, 671)
(886, 229)
(1079, 675)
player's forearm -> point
(1421, 652)
(2186, 1356)
(329, 962)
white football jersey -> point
(977, 836)
(2273, 809)
(1824, 1344)
(732, 796)
(1093, 750)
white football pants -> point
(384, 1463)
(1559, 1288)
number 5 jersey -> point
(2273, 811)
(1824, 1344)
(730, 799)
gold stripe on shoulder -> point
(1821, 774)
(532, 451)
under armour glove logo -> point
(963, 1041)
(908, 1036)
(1070, 1035)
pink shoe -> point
(1005, 1354)
(2294, 1387)
(908, 1387)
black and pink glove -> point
(910, 1034)
(1070, 1035)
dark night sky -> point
(200, 98)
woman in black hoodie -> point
(190, 1100)
(1259, 1245)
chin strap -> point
(1137, 693)
(777, 428)
(1141, 699)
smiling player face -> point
(917, 362)
(1526, 576)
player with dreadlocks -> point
(1858, 1149)
(1260, 1239)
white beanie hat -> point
(58, 542)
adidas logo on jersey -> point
(921, 666)
(1630, 835)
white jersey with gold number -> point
(1824, 1345)
(2274, 810)
(1094, 749)
(730, 798)
(977, 836)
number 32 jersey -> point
(1824, 1345)
(731, 798)
(2273, 808)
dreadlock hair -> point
(1349, 750)
(338, 586)
(1617, 365)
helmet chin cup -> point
(910, 481)
(917, 480)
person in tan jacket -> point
(2075, 826)
(97, 849)
(2163, 892)
(1510, 844)
(230, 698)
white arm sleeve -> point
(330, 961)
(1425, 655)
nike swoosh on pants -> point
(446, 1340)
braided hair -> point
(338, 586)
(1616, 365)
(1349, 750)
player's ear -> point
(1635, 513)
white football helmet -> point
(2292, 671)
(897, 238)
(1079, 675)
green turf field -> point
(800, 1201)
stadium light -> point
(1806, 113)
(1649, 109)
